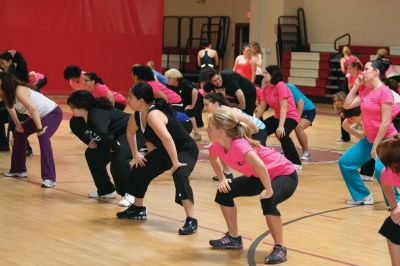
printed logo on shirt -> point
(92, 135)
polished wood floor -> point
(61, 226)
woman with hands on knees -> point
(44, 118)
(389, 153)
(172, 147)
(265, 172)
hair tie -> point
(238, 123)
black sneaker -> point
(133, 212)
(5, 148)
(190, 227)
(277, 255)
(227, 176)
(227, 242)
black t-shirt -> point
(185, 89)
(182, 139)
(103, 127)
(231, 82)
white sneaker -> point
(127, 200)
(368, 200)
(15, 174)
(94, 195)
(306, 156)
(367, 178)
(298, 167)
(48, 183)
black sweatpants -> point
(98, 159)
(244, 186)
(272, 123)
(157, 163)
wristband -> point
(39, 130)
(392, 209)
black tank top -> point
(182, 139)
(207, 61)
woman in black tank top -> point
(173, 148)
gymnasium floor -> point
(61, 226)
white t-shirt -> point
(43, 104)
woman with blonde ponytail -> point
(265, 172)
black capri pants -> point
(244, 186)
(158, 162)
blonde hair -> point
(382, 53)
(256, 47)
(224, 119)
(338, 97)
(173, 73)
(346, 50)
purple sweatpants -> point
(18, 158)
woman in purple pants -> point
(44, 118)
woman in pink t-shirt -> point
(95, 85)
(347, 59)
(286, 118)
(265, 172)
(376, 102)
(245, 64)
(389, 153)
(354, 70)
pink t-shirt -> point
(243, 67)
(390, 178)
(101, 90)
(172, 97)
(274, 93)
(276, 164)
(34, 77)
(371, 102)
(259, 94)
(391, 72)
(348, 61)
(78, 85)
(352, 79)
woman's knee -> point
(224, 199)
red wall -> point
(104, 36)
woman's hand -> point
(42, 131)
(92, 145)
(223, 186)
(19, 128)
(280, 132)
(140, 160)
(359, 80)
(177, 165)
(266, 195)
(373, 152)
(395, 215)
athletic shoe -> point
(367, 178)
(95, 195)
(306, 156)
(227, 176)
(48, 183)
(5, 148)
(127, 200)
(190, 227)
(133, 212)
(298, 167)
(196, 136)
(368, 200)
(277, 255)
(227, 242)
(16, 174)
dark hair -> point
(82, 99)
(204, 43)
(216, 98)
(382, 65)
(93, 76)
(212, 73)
(144, 73)
(144, 91)
(19, 67)
(355, 64)
(393, 85)
(9, 84)
(389, 153)
(348, 113)
(72, 71)
(276, 74)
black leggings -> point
(244, 186)
(272, 123)
(261, 136)
(158, 162)
(345, 134)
